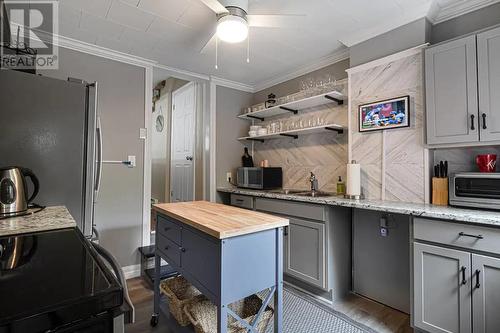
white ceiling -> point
(172, 32)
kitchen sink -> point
(287, 191)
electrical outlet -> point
(131, 159)
(229, 176)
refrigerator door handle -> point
(99, 159)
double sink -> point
(302, 193)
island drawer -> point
(169, 229)
(242, 201)
(169, 250)
(456, 234)
(289, 208)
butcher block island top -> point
(218, 220)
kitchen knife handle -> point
(472, 127)
(484, 121)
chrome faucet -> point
(314, 182)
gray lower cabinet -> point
(485, 294)
(305, 251)
(455, 291)
(451, 92)
(442, 288)
(488, 53)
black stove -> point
(52, 280)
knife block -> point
(440, 191)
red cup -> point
(487, 162)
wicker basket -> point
(179, 293)
(203, 315)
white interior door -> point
(182, 153)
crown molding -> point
(232, 84)
(449, 12)
(322, 62)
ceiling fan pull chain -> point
(216, 52)
(248, 49)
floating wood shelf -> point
(296, 106)
(295, 133)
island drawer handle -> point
(167, 229)
(463, 234)
(167, 247)
(183, 249)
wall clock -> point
(160, 123)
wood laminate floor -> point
(372, 314)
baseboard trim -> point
(132, 271)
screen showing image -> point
(387, 114)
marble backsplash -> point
(464, 159)
(392, 161)
(325, 154)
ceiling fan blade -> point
(275, 21)
(208, 44)
(216, 6)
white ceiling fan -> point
(233, 21)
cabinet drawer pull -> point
(240, 200)
(166, 229)
(463, 234)
(484, 120)
(183, 249)
(285, 231)
(478, 284)
(167, 247)
(472, 127)
(463, 270)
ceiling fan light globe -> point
(232, 29)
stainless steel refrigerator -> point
(52, 127)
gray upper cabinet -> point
(442, 287)
(305, 251)
(451, 92)
(486, 294)
(488, 52)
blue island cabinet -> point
(225, 267)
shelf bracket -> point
(259, 140)
(338, 101)
(290, 135)
(289, 109)
(338, 130)
(255, 117)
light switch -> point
(131, 159)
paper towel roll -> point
(353, 179)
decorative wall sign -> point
(388, 114)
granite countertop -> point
(485, 217)
(51, 218)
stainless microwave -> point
(260, 178)
(476, 190)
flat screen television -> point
(391, 113)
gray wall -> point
(121, 105)
(292, 86)
(465, 24)
(410, 35)
(228, 128)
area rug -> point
(301, 315)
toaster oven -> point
(260, 178)
(476, 190)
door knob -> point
(189, 158)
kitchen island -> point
(228, 253)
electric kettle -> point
(14, 198)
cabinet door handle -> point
(472, 127)
(285, 231)
(484, 121)
(167, 247)
(463, 234)
(463, 270)
(166, 229)
(183, 249)
(478, 283)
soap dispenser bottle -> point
(340, 186)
